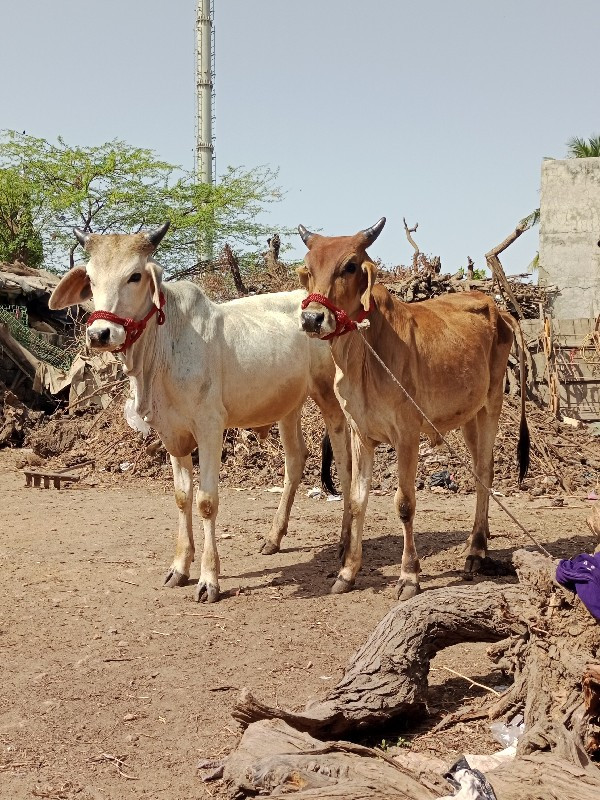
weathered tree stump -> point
(387, 677)
(274, 759)
(543, 636)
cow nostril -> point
(312, 320)
(104, 335)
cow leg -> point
(295, 458)
(362, 473)
(339, 435)
(479, 434)
(407, 451)
(207, 501)
(179, 571)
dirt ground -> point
(112, 686)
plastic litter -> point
(488, 763)
(319, 494)
(471, 783)
(444, 480)
(508, 734)
(133, 418)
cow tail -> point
(524, 444)
(326, 462)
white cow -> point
(197, 368)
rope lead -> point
(457, 455)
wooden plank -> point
(574, 368)
(563, 327)
(62, 475)
(583, 326)
(532, 328)
(539, 363)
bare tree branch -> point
(413, 243)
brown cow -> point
(449, 353)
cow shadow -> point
(314, 577)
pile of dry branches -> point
(423, 285)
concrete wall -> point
(570, 235)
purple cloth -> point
(582, 575)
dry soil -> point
(112, 686)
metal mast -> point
(205, 93)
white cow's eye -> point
(135, 278)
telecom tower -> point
(205, 92)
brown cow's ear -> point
(74, 288)
(155, 273)
(371, 272)
(304, 275)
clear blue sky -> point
(438, 110)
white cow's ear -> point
(371, 273)
(73, 288)
(155, 273)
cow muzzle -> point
(312, 321)
(104, 335)
(107, 331)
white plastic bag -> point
(508, 734)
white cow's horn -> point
(156, 235)
(81, 236)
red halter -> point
(343, 322)
(133, 328)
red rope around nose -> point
(133, 328)
(343, 322)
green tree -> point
(19, 239)
(583, 148)
(117, 188)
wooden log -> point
(545, 638)
(273, 759)
(234, 267)
(387, 677)
(549, 643)
(544, 776)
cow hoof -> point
(472, 567)
(268, 548)
(175, 578)
(406, 590)
(341, 585)
(206, 593)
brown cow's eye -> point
(135, 278)
(350, 268)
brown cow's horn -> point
(305, 234)
(373, 232)
(156, 235)
(81, 236)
